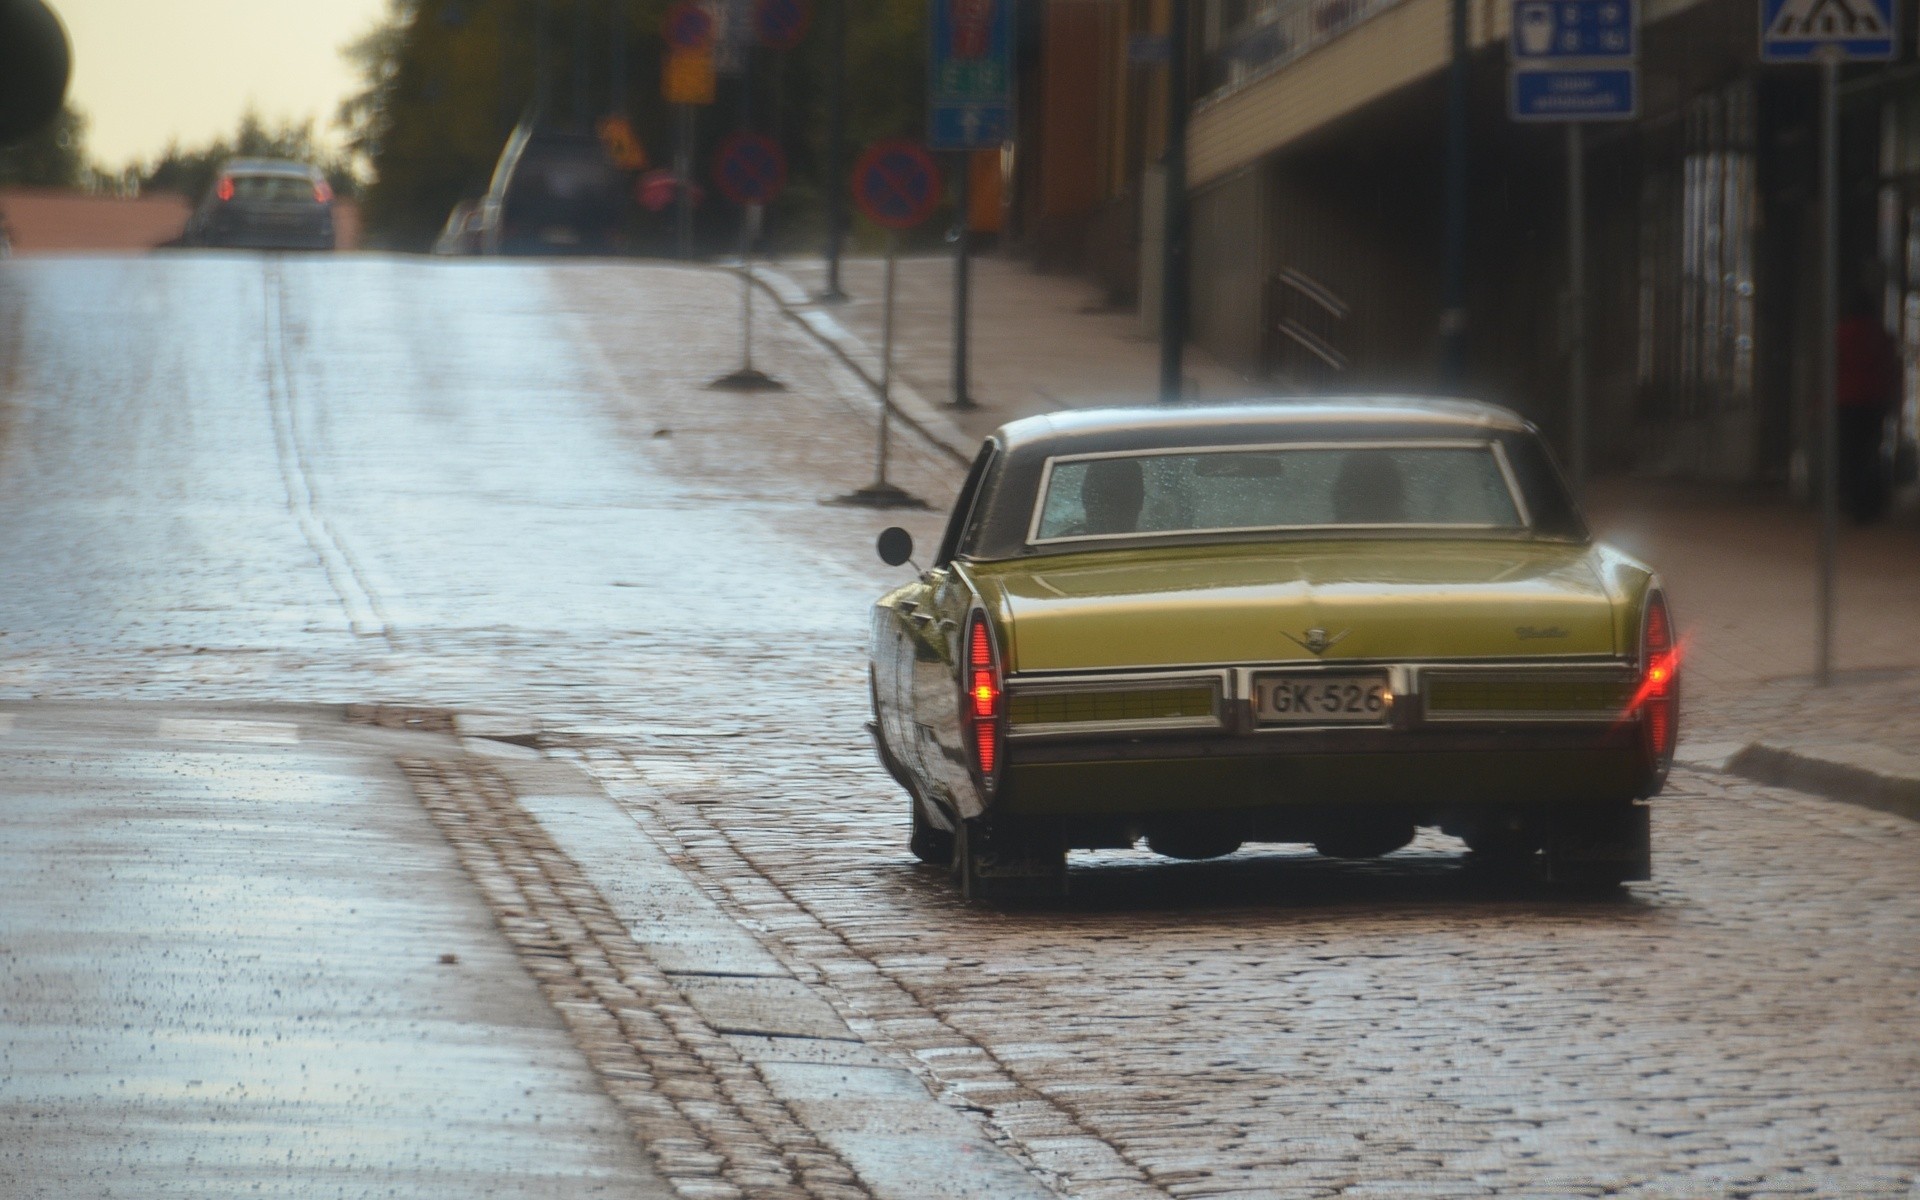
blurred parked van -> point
(555, 193)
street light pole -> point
(542, 57)
(836, 183)
(962, 277)
(617, 98)
(582, 77)
(1577, 304)
(1453, 310)
(1175, 249)
(1829, 418)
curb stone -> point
(740, 1078)
(1870, 776)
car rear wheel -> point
(1365, 840)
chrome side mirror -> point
(896, 547)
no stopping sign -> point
(896, 184)
(750, 168)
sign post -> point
(687, 83)
(897, 186)
(1830, 33)
(1575, 61)
(970, 107)
(750, 170)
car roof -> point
(268, 166)
(1274, 418)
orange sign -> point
(623, 147)
(689, 77)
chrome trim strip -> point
(1233, 695)
(1034, 683)
(1490, 444)
(1055, 729)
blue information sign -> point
(970, 83)
(1575, 60)
(1804, 30)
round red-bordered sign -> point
(782, 24)
(689, 27)
(896, 184)
(750, 168)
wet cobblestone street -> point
(507, 489)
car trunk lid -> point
(1314, 601)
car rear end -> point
(1516, 689)
(556, 193)
(269, 208)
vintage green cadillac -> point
(1327, 621)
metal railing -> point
(1275, 33)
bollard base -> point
(831, 296)
(880, 495)
(747, 380)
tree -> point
(191, 171)
(445, 81)
(55, 156)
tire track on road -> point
(366, 616)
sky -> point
(146, 72)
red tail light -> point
(983, 698)
(322, 191)
(224, 189)
(1660, 678)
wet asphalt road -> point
(504, 487)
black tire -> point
(929, 843)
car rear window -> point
(274, 189)
(1401, 485)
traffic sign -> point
(1556, 30)
(896, 184)
(689, 27)
(782, 24)
(970, 85)
(688, 77)
(1802, 30)
(623, 146)
(750, 168)
(1574, 60)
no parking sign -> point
(782, 24)
(750, 169)
(896, 184)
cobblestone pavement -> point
(486, 486)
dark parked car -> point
(555, 193)
(269, 204)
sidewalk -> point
(1740, 566)
(236, 958)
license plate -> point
(1347, 699)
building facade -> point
(1317, 160)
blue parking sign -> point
(970, 80)
(1803, 30)
(1574, 60)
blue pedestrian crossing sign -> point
(1574, 60)
(1805, 30)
